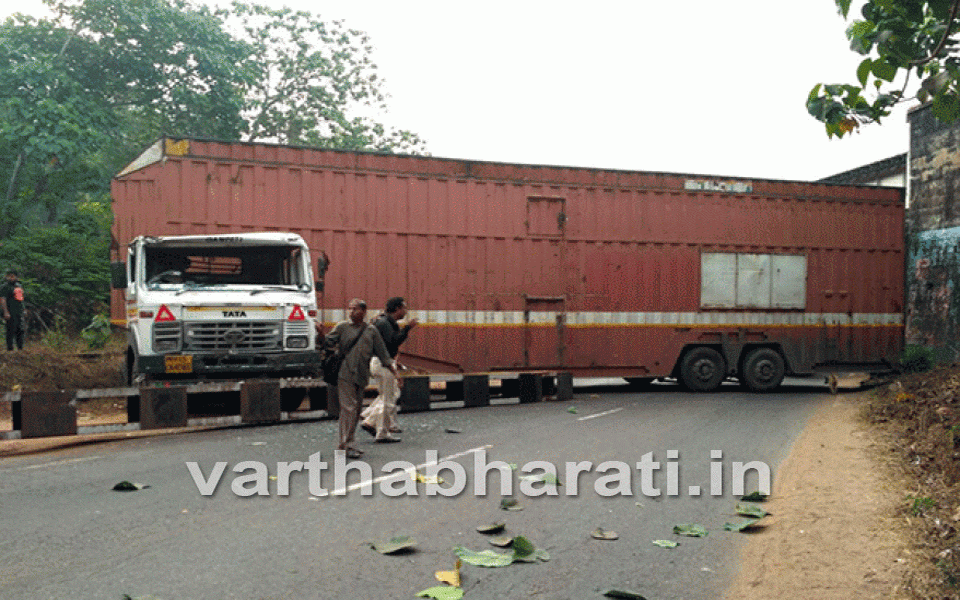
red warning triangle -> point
(296, 314)
(164, 314)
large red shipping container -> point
(518, 267)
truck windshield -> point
(196, 268)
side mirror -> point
(323, 263)
(118, 275)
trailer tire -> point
(763, 370)
(702, 369)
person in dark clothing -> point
(380, 418)
(11, 301)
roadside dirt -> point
(834, 532)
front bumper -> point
(302, 364)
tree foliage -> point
(64, 269)
(909, 49)
(84, 91)
(313, 82)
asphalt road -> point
(65, 534)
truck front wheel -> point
(130, 369)
(703, 369)
(763, 370)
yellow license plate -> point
(178, 364)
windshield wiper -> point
(283, 288)
(190, 286)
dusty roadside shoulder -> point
(832, 532)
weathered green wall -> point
(933, 235)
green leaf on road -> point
(755, 497)
(485, 558)
(522, 547)
(442, 592)
(394, 545)
(665, 543)
(510, 504)
(492, 527)
(545, 477)
(751, 510)
(690, 530)
(741, 525)
(572, 410)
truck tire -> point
(130, 369)
(763, 370)
(702, 369)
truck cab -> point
(218, 307)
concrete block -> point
(162, 407)
(476, 391)
(45, 414)
(415, 395)
(260, 401)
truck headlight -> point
(297, 341)
(167, 345)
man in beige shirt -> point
(355, 371)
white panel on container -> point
(753, 280)
(718, 280)
(789, 281)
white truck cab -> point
(219, 306)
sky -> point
(699, 87)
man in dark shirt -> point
(380, 418)
(11, 301)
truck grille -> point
(236, 336)
(166, 337)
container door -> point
(544, 314)
(837, 318)
(544, 321)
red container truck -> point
(524, 268)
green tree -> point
(83, 92)
(315, 82)
(907, 45)
(64, 268)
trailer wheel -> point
(703, 369)
(763, 370)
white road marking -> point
(405, 472)
(603, 414)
